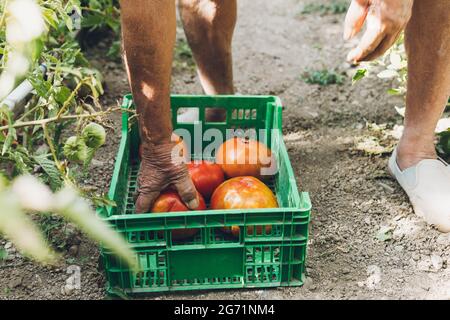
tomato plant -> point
(39, 45)
(66, 95)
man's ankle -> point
(410, 154)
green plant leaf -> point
(3, 254)
(12, 135)
(360, 73)
(334, 7)
(72, 71)
(37, 46)
(102, 201)
(92, 21)
(394, 92)
(62, 94)
(323, 77)
(39, 84)
(49, 167)
(50, 17)
(443, 144)
(69, 23)
(115, 50)
(90, 156)
(6, 114)
(21, 162)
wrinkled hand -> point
(385, 19)
(160, 170)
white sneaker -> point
(428, 187)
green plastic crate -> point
(212, 259)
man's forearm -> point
(148, 31)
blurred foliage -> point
(183, 59)
(66, 96)
(100, 14)
(27, 194)
(329, 7)
(443, 145)
(35, 174)
(103, 15)
(323, 77)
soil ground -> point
(353, 196)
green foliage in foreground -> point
(27, 194)
(36, 176)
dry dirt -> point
(353, 196)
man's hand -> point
(160, 170)
(386, 19)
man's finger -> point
(145, 201)
(187, 192)
(384, 46)
(354, 20)
(369, 42)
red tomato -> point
(244, 157)
(244, 193)
(170, 201)
(181, 147)
(207, 176)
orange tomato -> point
(170, 201)
(244, 193)
(245, 157)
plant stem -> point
(52, 149)
(61, 118)
(31, 110)
(72, 95)
(2, 18)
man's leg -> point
(148, 32)
(149, 29)
(428, 48)
(209, 27)
(425, 179)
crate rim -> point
(208, 212)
